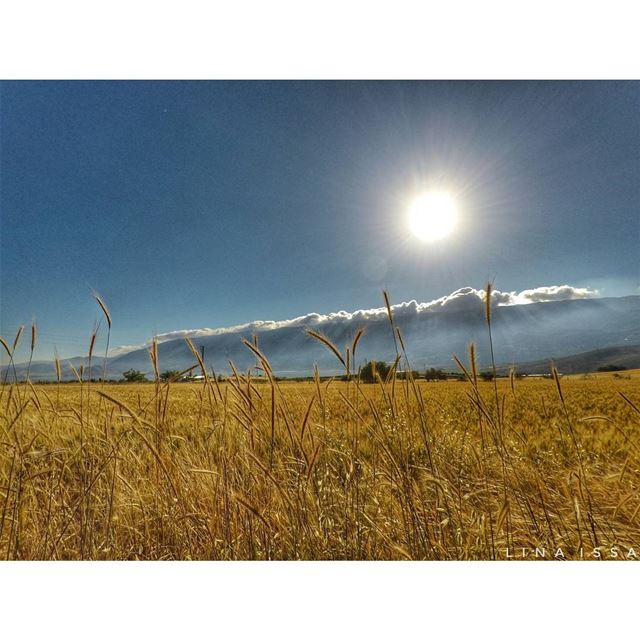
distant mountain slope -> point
(529, 333)
(587, 362)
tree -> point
(368, 372)
(612, 367)
(133, 375)
(487, 376)
(404, 375)
(435, 374)
(168, 374)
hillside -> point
(587, 362)
(526, 333)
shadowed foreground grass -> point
(253, 469)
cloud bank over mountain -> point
(532, 325)
(464, 299)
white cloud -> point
(465, 299)
(548, 294)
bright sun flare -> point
(432, 216)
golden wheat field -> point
(322, 470)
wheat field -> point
(255, 468)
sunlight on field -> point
(319, 470)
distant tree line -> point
(133, 375)
(375, 369)
(611, 367)
(371, 372)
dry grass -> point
(258, 469)
(254, 469)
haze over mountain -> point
(536, 324)
(626, 357)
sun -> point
(433, 216)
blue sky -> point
(210, 204)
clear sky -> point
(210, 204)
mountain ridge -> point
(522, 333)
(626, 357)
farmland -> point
(254, 468)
